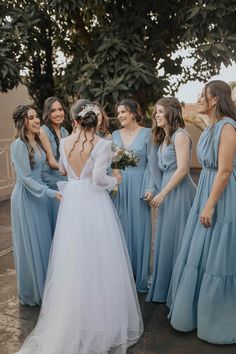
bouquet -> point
(122, 158)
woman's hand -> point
(116, 173)
(119, 178)
(48, 149)
(58, 196)
(53, 163)
(157, 200)
(148, 197)
(206, 216)
(63, 172)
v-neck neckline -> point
(132, 142)
(38, 152)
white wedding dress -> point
(90, 304)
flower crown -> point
(89, 108)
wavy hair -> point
(20, 117)
(104, 127)
(174, 118)
(88, 122)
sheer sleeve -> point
(102, 162)
(48, 175)
(61, 160)
(153, 175)
(20, 160)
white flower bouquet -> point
(122, 158)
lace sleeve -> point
(102, 163)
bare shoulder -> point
(228, 129)
(228, 137)
(182, 137)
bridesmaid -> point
(52, 131)
(203, 290)
(103, 123)
(134, 212)
(31, 230)
(176, 193)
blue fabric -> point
(171, 221)
(50, 176)
(202, 294)
(153, 175)
(134, 212)
(31, 229)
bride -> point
(90, 304)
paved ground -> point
(17, 321)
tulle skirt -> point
(90, 304)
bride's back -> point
(78, 148)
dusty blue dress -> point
(31, 229)
(50, 176)
(171, 220)
(203, 288)
(134, 212)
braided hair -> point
(20, 117)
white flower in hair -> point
(89, 108)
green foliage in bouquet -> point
(123, 158)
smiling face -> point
(159, 116)
(57, 114)
(32, 122)
(125, 116)
(206, 102)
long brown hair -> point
(225, 106)
(20, 117)
(174, 118)
(47, 109)
(105, 120)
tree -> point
(107, 50)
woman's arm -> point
(151, 183)
(101, 164)
(20, 160)
(182, 148)
(48, 149)
(226, 155)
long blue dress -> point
(203, 288)
(171, 220)
(50, 176)
(31, 229)
(133, 211)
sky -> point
(189, 92)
